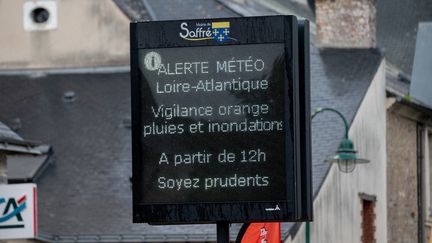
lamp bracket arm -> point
(319, 110)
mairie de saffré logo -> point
(10, 211)
(219, 31)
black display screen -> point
(213, 124)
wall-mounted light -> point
(345, 156)
(40, 15)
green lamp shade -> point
(346, 157)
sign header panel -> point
(18, 211)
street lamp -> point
(345, 156)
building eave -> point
(410, 108)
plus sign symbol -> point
(152, 61)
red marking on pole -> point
(34, 212)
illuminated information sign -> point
(218, 122)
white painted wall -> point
(337, 207)
(87, 33)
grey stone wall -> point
(401, 179)
(346, 23)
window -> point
(368, 218)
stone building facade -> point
(408, 171)
(402, 178)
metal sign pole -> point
(222, 234)
(3, 173)
(3, 168)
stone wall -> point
(401, 179)
(346, 23)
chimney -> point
(346, 23)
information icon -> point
(152, 61)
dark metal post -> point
(3, 168)
(3, 173)
(222, 229)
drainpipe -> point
(420, 144)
